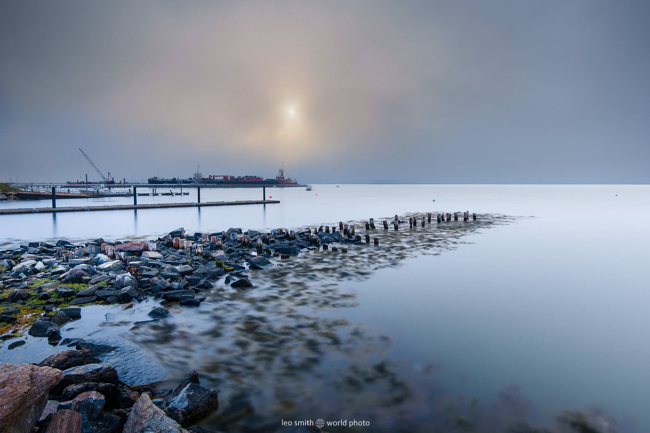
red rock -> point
(23, 395)
(132, 247)
(66, 421)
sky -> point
(333, 91)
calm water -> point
(539, 308)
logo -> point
(320, 423)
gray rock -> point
(154, 255)
(114, 266)
(125, 280)
(242, 283)
(90, 291)
(109, 296)
(83, 300)
(18, 295)
(193, 377)
(61, 319)
(64, 292)
(159, 313)
(260, 263)
(16, 344)
(192, 404)
(72, 312)
(104, 373)
(184, 269)
(127, 294)
(158, 284)
(43, 328)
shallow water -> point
(516, 317)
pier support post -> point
(135, 196)
(264, 193)
(53, 197)
(198, 193)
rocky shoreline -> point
(72, 392)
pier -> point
(132, 207)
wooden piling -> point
(429, 217)
(53, 197)
(376, 242)
(474, 216)
(385, 225)
(367, 238)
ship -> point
(227, 180)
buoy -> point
(434, 200)
(270, 196)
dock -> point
(132, 207)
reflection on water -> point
(282, 350)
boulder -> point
(127, 294)
(74, 276)
(60, 318)
(89, 404)
(145, 417)
(125, 280)
(6, 318)
(23, 395)
(132, 247)
(192, 404)
(83, 300)
(104, 373)
(18, 295)
(100, 259)
(43, 328)
(67, 421)
(158, 284)
(260, 263)
(184, 269)
(64, 292)
(90, 291)
(109, 296)
(154, 255)
(159, 313)
(114, 266)
(65, 359)
(72, 312)
(242, 283)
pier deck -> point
(131, 207)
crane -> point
(106, 179)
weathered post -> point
(376, 242)
(198, 194)
(385, 225)
(367, 238)
(422, 220)
(474, 216)
(429, 216)
(410, 222)
(438, 218)
(395, 225)
(367, 225)
(340, 226)
(53, 197)
(372, 223)
(455, 216)
(264, 193)
(135, 196)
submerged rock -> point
(133, 365)
(159, 313)
(23, 395)
(192, 404)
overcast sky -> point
(350, 91)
